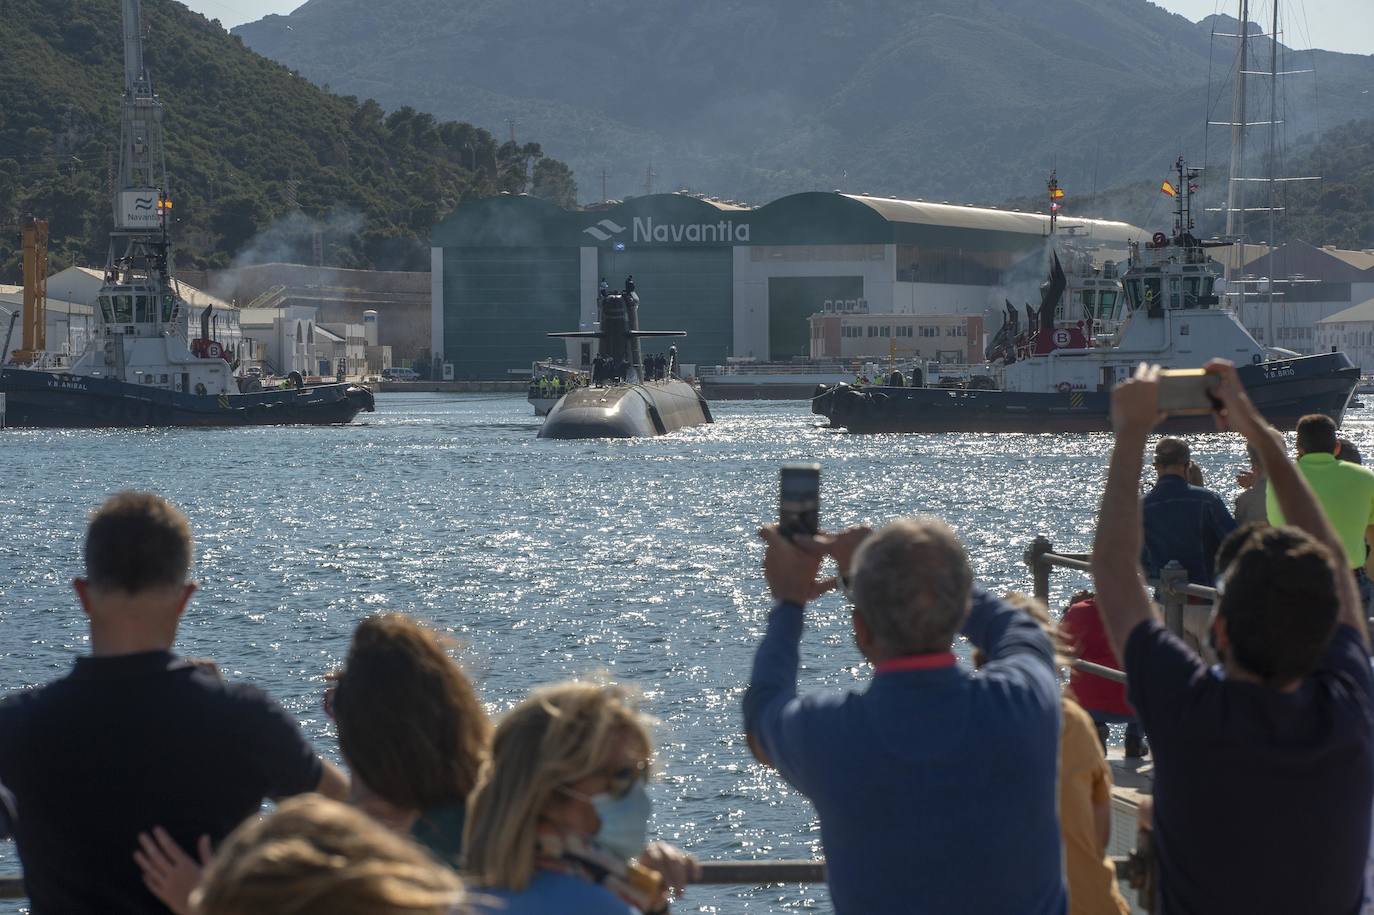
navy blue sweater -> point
(936, 788)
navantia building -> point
(741, 281)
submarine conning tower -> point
(619, 334)
(625, 408)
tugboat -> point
(141, 366)
(627, 398)
(1056, 379)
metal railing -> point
(1172, 587)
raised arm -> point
(1121, 596)
(1292, 493)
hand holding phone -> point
(1188, 392)
(799, 499)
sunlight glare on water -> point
(546, 559)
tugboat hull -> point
(55, 400)
(1284, 391)
(626, 411)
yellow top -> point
(1346, 494)
(1085, 780)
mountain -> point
(260, 160)
(971, 100)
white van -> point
(400, 375)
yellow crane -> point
(35, 315)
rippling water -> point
(547, 559)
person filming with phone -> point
(1264, 763)
(935, 787)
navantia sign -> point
(647, 230)
(138, 208)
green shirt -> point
(1346, 494)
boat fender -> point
(1063, 387)
(705, 408)
(200, 387)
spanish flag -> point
(1057, 194)
(1169, 189)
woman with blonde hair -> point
(562, 808)
(314, 856)
(411, 731)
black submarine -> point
(621, 402)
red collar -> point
(936, 661)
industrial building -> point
(743, 282)
(334, 295)
(1312, 285)
(67, 324)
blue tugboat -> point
(1049, 377)
(141, 366)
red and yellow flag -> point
(1169, 189)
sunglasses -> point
(623, 780)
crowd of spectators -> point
(135, 782)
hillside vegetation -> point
(258, 157)
(969, 100)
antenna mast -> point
(141, 204)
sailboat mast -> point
(1273, 163)
(1235, 188)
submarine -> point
(621, 402)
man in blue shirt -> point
(1264, 764)
(1182, 522)
(935, 786)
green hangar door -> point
(794, 299)
(499, 303)
(680, 288)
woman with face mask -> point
(559, 819)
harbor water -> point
(546, 559)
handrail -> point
(713, 873)
(1172, 586)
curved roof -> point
(992, 219)
(807, 218)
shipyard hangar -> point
(742, 281)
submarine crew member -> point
(672, 361)
(603, 288)
(897, 379)
(629, 284)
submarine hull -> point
(626, 411)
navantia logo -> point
(143, 203)
(604, 229)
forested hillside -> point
(968, 100)
(256, 154)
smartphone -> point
(1187, 392)
(799, 499)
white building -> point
(1352, 332)
(68, 323)
(846, 334)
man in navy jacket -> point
(936, 785)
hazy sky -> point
(1337, 25)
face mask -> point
(624, 820)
